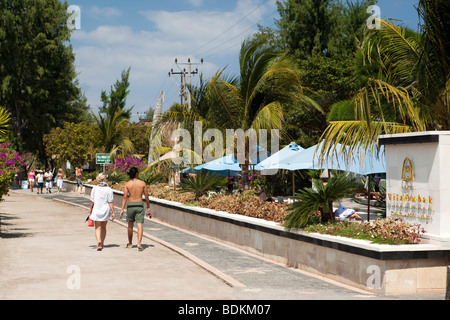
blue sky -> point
(148, 35)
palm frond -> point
(356, 138)
(4, 121)
(310, 201)
(376, 92)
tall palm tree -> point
(268, 80)
(413, 82)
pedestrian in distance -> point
(32, 179)
(40, 181)
(134, 192)
(48, 176)
(59, 180)
(102, 208)
(79, 177)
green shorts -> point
(135, 212)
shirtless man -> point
(134, 190)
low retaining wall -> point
(380, 269)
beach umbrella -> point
(276, 161)
(309, 159)
(227, 163)
(350, 162)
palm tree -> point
(268, 81)
(111, 128)
(201, 184)
(321, 199)
(413, 82)
(4, 121)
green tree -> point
(324, 36)
(139, 136)
(37, 75)
(328, 27)
(268, 82)
(116, 101)
(114, 116)
(76, 143)
(305, 25)
(413, 82)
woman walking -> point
(59, 180)
(32, 178)
(102, 208)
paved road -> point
(44, 236)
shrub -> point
(151, 177)
(201, 184)
(310, 201)
(248, 205)
(124, 164)
(10, 162)
(117, 177)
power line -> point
(243, 18)
(226, 42)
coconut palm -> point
(318, 200)
(268, 81)
(413, 83)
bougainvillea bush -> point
(123, 165)
(10, 163)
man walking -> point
(134, 191)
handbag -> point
(90, 222)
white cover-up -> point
(101, 196)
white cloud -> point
(102, 54)
(103, 13)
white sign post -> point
(104, 160)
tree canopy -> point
(38, 83)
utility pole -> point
(183, 73)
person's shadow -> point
(109, 246)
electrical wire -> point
(231, 27)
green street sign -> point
(103, 159)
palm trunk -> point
(245, 168)
(245, 171)
(327, 213)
